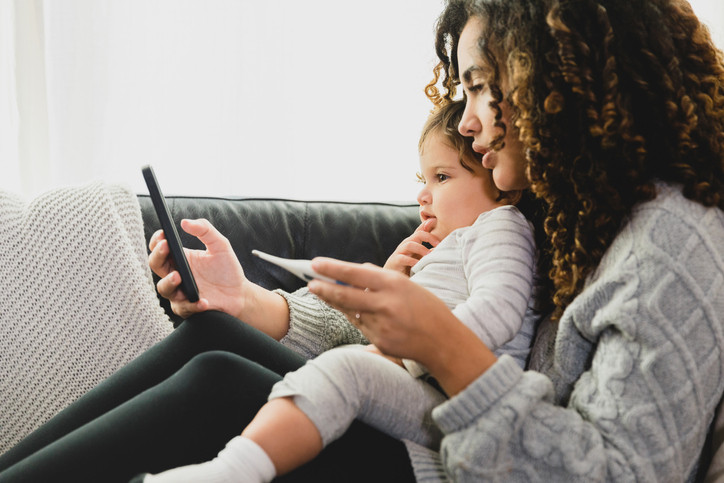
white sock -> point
(242, 460)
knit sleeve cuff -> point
(306, 327)
(426, 464)
(466, 407)
(315, 327)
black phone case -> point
(188, 283)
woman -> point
(618, 109)
(619, 106)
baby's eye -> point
(420, 178)
(442, 177)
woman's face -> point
(508, 165)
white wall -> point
(321, 99)
(314, 99)
(711, 13)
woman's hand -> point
(220, 279)
(404, 320)
(217, 271)
(411, 249)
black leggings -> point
(179, 403)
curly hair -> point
(444, 119)
(607, 97)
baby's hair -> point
(444, 119)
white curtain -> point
(315, 99)
(321, 99)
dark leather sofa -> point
(357, 232)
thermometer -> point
(300, 268)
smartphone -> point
(188, 284)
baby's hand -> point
(371, 348)
(411, 250)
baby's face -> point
(452, 197)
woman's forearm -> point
(458, 357)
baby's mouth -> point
(428, 219)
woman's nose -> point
(469, 123)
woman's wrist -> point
(266, 310)
(458, 358)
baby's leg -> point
(343, 384)
(285, 433)
(315, 405)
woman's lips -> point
(488, 160)
(479, 148)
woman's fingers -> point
(207, 233)
(365, 288)
(345, 298)
(157, 236)
(357, 275)
(159, 260)
(168, 287)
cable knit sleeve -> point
(315, 327)
(635, 373)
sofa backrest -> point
(357, 232)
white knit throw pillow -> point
(77, 299)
